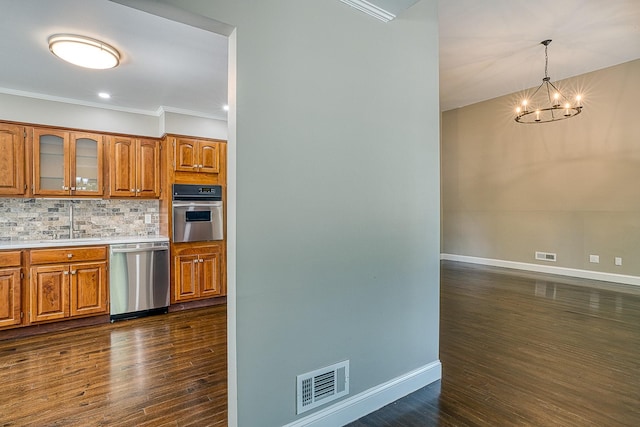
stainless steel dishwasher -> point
(138, 279)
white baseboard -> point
(352, 408)
(563, 271)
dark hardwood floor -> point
(516, 348)
(528, 349)
(167, 370)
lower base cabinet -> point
(198, 272)
(66, 290)
(10, 287)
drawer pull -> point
(69, 255)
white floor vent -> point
(322, 385)
(546, 256)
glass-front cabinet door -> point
(51, 162)
(67, 164)
(86, 166)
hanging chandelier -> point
(547, 104)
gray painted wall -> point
(53, 113)
(337, 195)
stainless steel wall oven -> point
(197, 213)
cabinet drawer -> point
(57, 255)
(197, 248)
(10, 259)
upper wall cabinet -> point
(194, 155)
(134, 167)
(67, 163)
(12, 165)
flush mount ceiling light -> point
(84, 51)
(547, 104)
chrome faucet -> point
(70, 219)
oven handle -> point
(197, 204)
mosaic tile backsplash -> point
(49, 219)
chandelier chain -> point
(546, 60)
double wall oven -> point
(197, 213)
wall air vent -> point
(322, 385)
(546, 256)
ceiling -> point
(165, 64)
(491, 48)
(488, 48)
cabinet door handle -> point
(73, 271)
(69, 255)
(200, 260)
(73, 188)
(138, 190)
(65, 187)
(133, 190)
(66, 273)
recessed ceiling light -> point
(84, 51)
(104, 95)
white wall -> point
(54, 113)
(182, 124)
(336, 126)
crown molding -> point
(162, 109)
(370, 9)
(168, 109)
(72, 101)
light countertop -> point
(90, 241)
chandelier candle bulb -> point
(537, 115)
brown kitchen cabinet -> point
(198, 272)
(67, 283)
(10, 286)
(12, 160)
(134, 167)
(196, 155)
(67, 163)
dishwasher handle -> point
(130, 250)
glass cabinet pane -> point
(86, 178)
(51, 162)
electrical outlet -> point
(618, 260)
(594, 259)
(147, 218)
